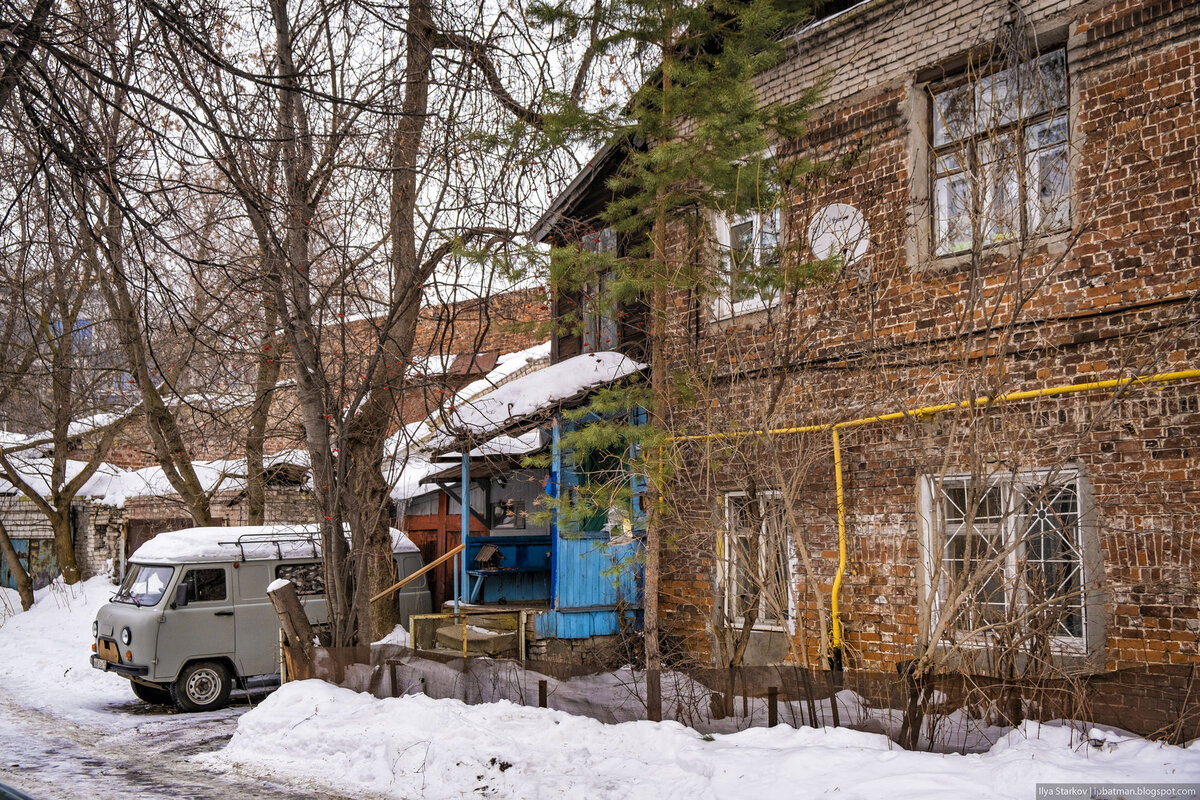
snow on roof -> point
(105, 483)
(409, 461)
(521, 445)
(408, 483)
(500, 400)
(79, 427)
(532, 394)
(214, 476)
(11, 439)
(112, 485)
(248, 542)
(93, 423)
(507, 365)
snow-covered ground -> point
(47, 648)
(417, 747)
(312, 735)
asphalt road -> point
(52, 759)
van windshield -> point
(144, 585)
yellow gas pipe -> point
(925, 411)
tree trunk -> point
(256, 436)
(290, 283)
(298, 632)
(170, 450)
(13, 559)
(64, 545)
(367, 503)
(658, 382)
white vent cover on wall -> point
(839, 230)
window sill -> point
(744, 313)
(1070, 655)
(1054, 243)
(765, 627)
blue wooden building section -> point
(520, 571)
(595, 580)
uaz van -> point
(192, 618)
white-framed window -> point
(1000, 166)
(755, 560)
(749, 248)
(1007, 553)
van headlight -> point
(95, 628)
(126, 636)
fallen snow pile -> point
(418, 747)
(47, 651)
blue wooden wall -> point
(593, 581)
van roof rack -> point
(276, 539)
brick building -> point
(457, 342)
(973, 441)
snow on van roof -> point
(248, 542)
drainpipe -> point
(464, 509)
(836, 628)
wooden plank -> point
(419, 573)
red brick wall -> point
(1114, 297)
(505, 322)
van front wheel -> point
(202, 686)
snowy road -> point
(54, 759)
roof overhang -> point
(566, 200)
(531, 400)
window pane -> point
(996, 99)
(1001, 213)
(741, 255)
(745, 576)
(973, 555)
(758, 572)
(768, 239)
(1047, 175)
(1053, 559)
(741, 241)
(952, 214)
(952, 115)
(776, 574)
(1012, 555)
(1001, 164)
(1047, 84)
(143, 585)
(204, 585)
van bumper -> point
(121, 669)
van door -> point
(204, 627)
(257, 623)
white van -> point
(192, 618)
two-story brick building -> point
(974, 441)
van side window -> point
(205, 585)
(307, 578)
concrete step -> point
(480, 642)
(496, 622)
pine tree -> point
(696, 137)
